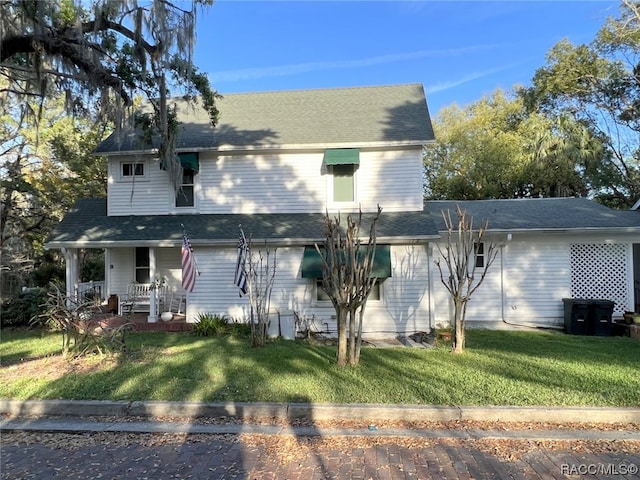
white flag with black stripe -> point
(241, 274)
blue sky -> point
(460, 51)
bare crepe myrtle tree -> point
(462, 276)
(261, 272)
(346, 278)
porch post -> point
(153, 301)
(71, 272)
(107, 273)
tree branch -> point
(104, 24)
(63, 48)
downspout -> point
(502, 289)
(429, 249)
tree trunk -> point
(352, 338)
(342, 335)
(359, 335)
(458, 333)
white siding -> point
(526, 284)
(529, 279)
(391, 179)
(121, 269)
(404, 306)
(537, 277)
(485, 304)
(169, 267)
(272, 183)
(148, 196)
(262, 184)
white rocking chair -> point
(178, 304)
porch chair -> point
(138, 299)
(178, 304)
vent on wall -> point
(600, 271)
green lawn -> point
(497, 368)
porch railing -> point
(93, 290)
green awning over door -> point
(342, 156)
(312, 262)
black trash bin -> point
(577, 314)
(601, 323)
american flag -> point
(241, 274)
(189, 268)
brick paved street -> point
(262, 457)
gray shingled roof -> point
(539, 214)
(87, 224)
(395, 114)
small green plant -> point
(239, 329)
(211, 325)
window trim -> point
(331, 190)
(479, 255)
(139, 268)
(135, 177)
(193, 186)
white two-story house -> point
(278, 161)
(275, 164)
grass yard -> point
(497, 368)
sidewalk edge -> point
(292, 411)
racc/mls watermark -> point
(622, 468)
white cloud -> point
(440, 87)
(306, 67)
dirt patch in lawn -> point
(54, 367)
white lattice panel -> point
(600, 271)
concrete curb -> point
(294, 411)
(77, 426)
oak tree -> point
(599, 85)
(109, 52)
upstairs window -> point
(185, 197)
(343, 183)
(342, 164)
(129, 170)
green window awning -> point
(312, 262)
(189, 161)
(342, 156)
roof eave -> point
(292, 146)
(563, 230)
(283, 242)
